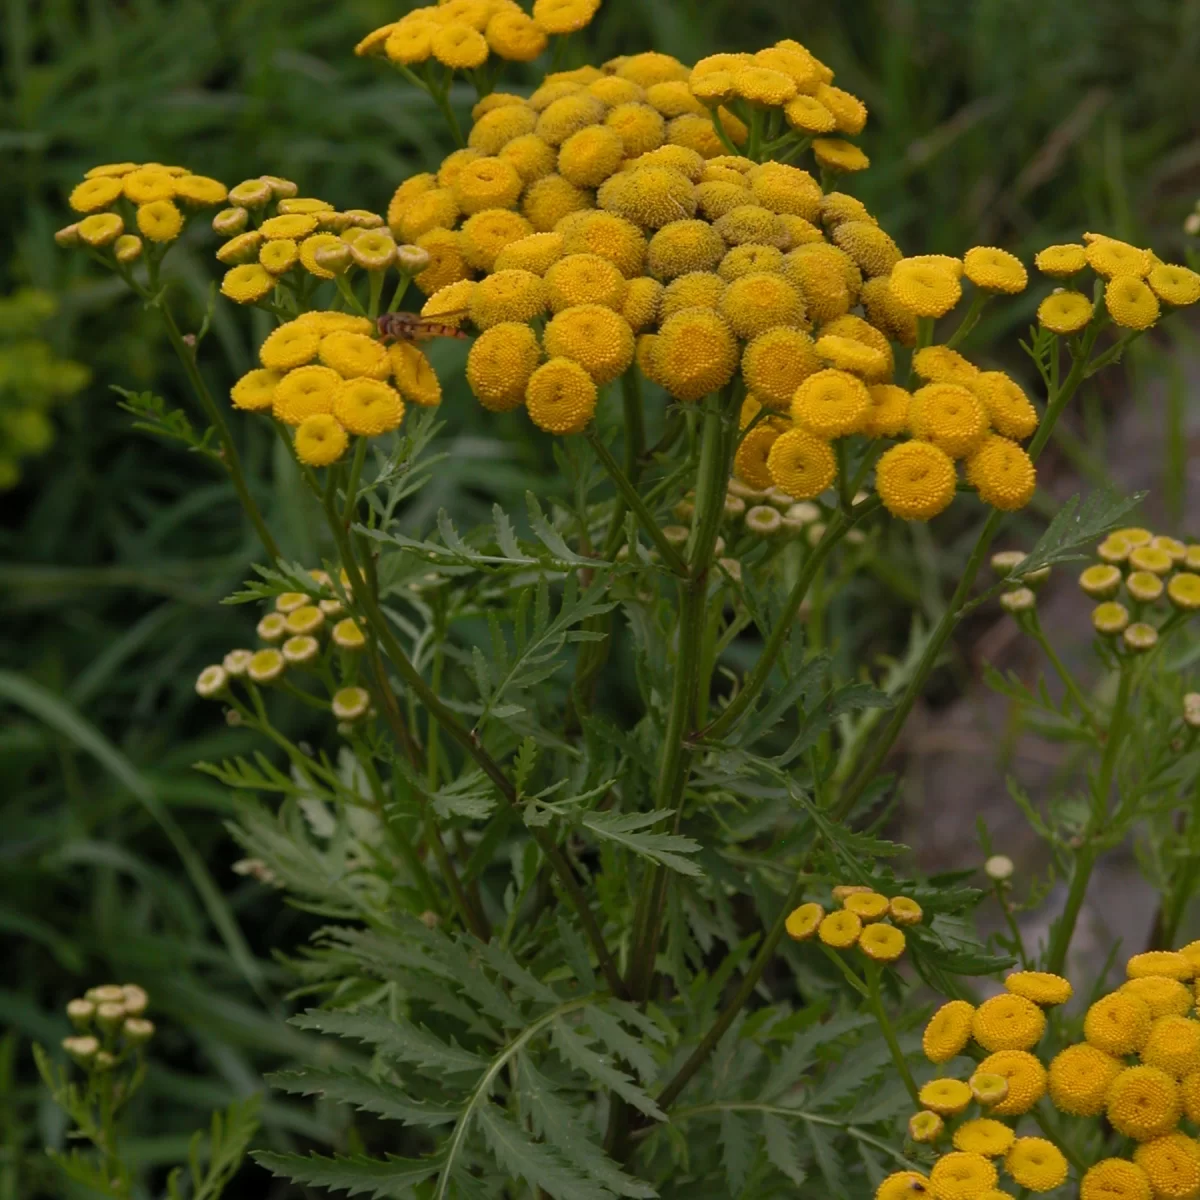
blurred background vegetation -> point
(1011, 122)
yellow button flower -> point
(925, 288)
(1080, 1077)
(1174, 285)
(903, 1185)
(486, 183)
(684, 246)
(848, 354)
(784, 189)
(995, 270)
(750, 462)
(265, 666)
(950, 417)
(841, 929)
(1172, 1164)
(1118, 1024)
(147, 184)
(946, 1097)
(584, 279)
(564, 16)
(1130, 302)
(550, 198)
(831, 403)
(639, 127)
(848, 110)
(868, 245)
(962, 1176)
(594, 336)
(1111, 258)
(414, 376)
(758, 302)
(589, 157)
(1026, 1080)
(459, 47)
(747, 260)
(1173, 1045)
(1144, 586)
(1036, 1163)
(500, 364)
(95, 194)
(915, 480)
(291, 345)
(200, 191)
(697, 289)
(613, 90)
(641, 304)
(802, 922)
(244, 284)
(1183, 591)
(255, 391)
(886, 313)
(1110, 618)
(882, 942)
(1003, 474)
(988, 1088)
(696, 352)
(495, 129)
(536, 252)
(1008, 1022)
(1008, 408)
(889, 414)
(561, 397)
(279, 256)
(649, 196)
(1061, 261)
(1162, 995)
(368, 407)
(776, 363)
(905, 911)
(514, 36)
(1115, 1179)
(354, 355)
(512, 295)
(100, 229)
(311, 246)
(984, 1136)
(1170, 963)
(924, 1127)
(320, 440)
(567, 116)
(305, 392)
(1041, 987)
(869, 905)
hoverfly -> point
(411, 327)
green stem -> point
(351, 498)
(229, 453)
(635, 447)
(401, 289)
(635, 503)
(839, 525)
(970, 319)
(1060, 669)
(875, 999)
(1085, 860)
(444, 715)
(442, 100)
(725, 139)
(374, 292)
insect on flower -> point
(410, 327)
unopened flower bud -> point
(233, 718)
(842, 890)
(1101, 580)
(998, 868)
(676, 535)
(1110, 618)
(127, 248)
(1018, 601)
(925, 1127)
(1191, 224)
(281, 189)
(135, 1000)
(763, 520)
(138, 1031)
(211, 682)
(110, 1016)
(732, 568)
(230, 221)
(987, 1087)
(350, 703)
(105, 993)
(751, 495)
(68, 236)
(734, 505)
(685, 510)
(363, 218)
(430, 919)
(781, 500)
(104, 1061)
(80, 1013)
(412, 260)
(1140, 637)
(251, 193)
(81, 1049)
(334, 258)
(816, 531)
(1191, 709)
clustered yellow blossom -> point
(1137, 1068)
(116, 199)
(462, 35)
(866, 919)
(110, 1026)
(1136, 284)
(307, 632)
(1139, 579)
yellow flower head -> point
(649, 196)
(1115, 1179)
(458, 46)
(568, 115)
(848, 110)
(589, 157)
(1080, 1079)
(368, 407)
(291, 345)
(640, 307)
(308, 252)
(950, 417)
(1144, 1103)
(988, 1088)
(265, 665)
(1130, 302)
(414, 376)
(842, 929)
(1026, 1080)
(940, 364)
(753, 304)
(614, 90)
(1003, 474)
(95, 194)
(983, 1136)
(946, 1097)
(716, 197)
(611, 237)
(836, 154)
(684, 246)
(904, 1185)
(485, 234)
(1170, 963)
(962, 1176)
(924, 1127)
(244, 284)
(696, 352)
(1110, 258)
(564, 16)
(905, 911)
(831, 404)
(594, 336)
(1118, 1024)
(763, 86)
(230, 221)
(1184, 591)
(807, 114)
(1008, 408)
(747, 260)
(432, 209)
(886, 313)
(1172, 1164)
(1036, 1163)
(584, 279)
(1151, 558)
(279, 256)
(750, 463)
(305, 392)
(446, 262)
(499, 127)
(882, 942)
(848, 354)
(868, 904)
(255, 390)
(1144, 586)
(561, 396)
(320, 440)
(486, 183)
(1174, 285)
(250, 193)
(100, 229)
(672, 98)
(926, 289)
(915, 480)
(750, 224)
(354, 355)
(820, 280)
(514, 36)
(1061, 261)
(640, 127)
(802, 922)
(1041, 987)
(550, 198)
(688, 163)
(512, 295)
(1173, 1045)
(412, 188)
(199, 191)
(148, 184)
(500, 364)
(995, 270)
(888, 416)
(697, 289)
(1008, 1022)
(1162, 995)
(159, 221)
(536, 252)
(776, 363)
(868, 245)
(803, 466)
(783, 189)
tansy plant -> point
(555, 911)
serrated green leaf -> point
(397, 1039)
(625, 830)
(781, 1148)
(622, 1044)
(1078, 523)
(576, 1052)
(737, 1145)
(392, 1178)
(536, 1162)
(378, 1096)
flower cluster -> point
(110, 1024)
(306, 631)
(866, 919)
(1137, 1067)
(1136, 284)
(462, 34)
(156, 200)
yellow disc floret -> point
(1008, 1022)
(915, 480)
(696, 352)
(1036, 1163)
(831, 403)
(1080, 1078)
(500, 364)
(320, 440)
(950, 417)
(1003, 474)
(367, 407)
(802, 465)
(594, 336)
(561, 397)
(995, 270)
